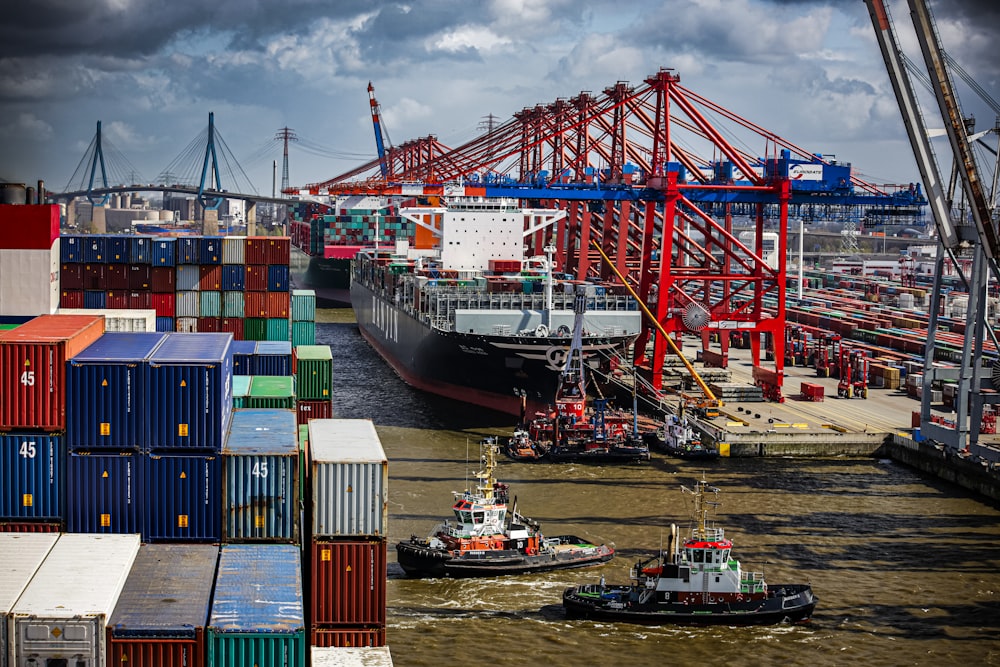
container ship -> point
(471, 318)
(328, 233)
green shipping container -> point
(272, 391)
(232, 304)
(314, 372)
(303, 305)
(303, 458)
(276, 329)
(303, 333)
(241, 390)
(255, 328)
(211, 304)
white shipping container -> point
(233, 249)
(119, 319)
(29, 281)
(20, 556)
(359, 656)
(61, 616)
(350, 479)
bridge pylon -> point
(98, 158)
(210, 203)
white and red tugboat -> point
(693, 583)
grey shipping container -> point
(60, 618)
(21, 554)
(350, 478)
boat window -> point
(477, 517)
(699, 556)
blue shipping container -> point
(107, 392)
(233, 277)
(257, 607)
(94, 298)
(210, 251)
(164, 324)
(183, 495)
(191, 391)
(260, 476)
(94, 249)
(141, 250)
(101, 493)
(118, 249)
(243, 356)
(277, 278)
(188, 250)
(71, 249)
(164, 252)
(31, 475)
(273, 357)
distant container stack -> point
(348, 515)
(238, 285)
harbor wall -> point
(947, 464)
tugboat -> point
(694, 583)
(487, 540)
(677, 438)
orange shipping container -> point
(255, 304)
(33, 368)
(210, 277)
(278, 304)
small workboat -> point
(697, 582)
(520, 447)
(488, 539)
(677, 437)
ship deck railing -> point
(440, 304)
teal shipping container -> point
(303, 333)
(257, 613)
(211, 304)
(260, 477)
(241, 390)
(277, 329)
(232, 304)
(303, 305)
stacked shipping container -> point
(314, 382)
(22, 556)
(348, 515)
(238, 285)
(303, 317)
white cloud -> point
(28, 124)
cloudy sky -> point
(152, 70)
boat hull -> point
(328, 277)
(489, 370)
(418, 559)
(787, 603)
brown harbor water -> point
(906, 568)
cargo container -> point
(271, 391)
(313, 409)
(233, 248)
(162, 279)
(33, 368)
(71, 249)
(313, 372)
(261, 477)
(276, 329)
(141, 250)
(188, 251)
(191, 382)
(102, 493)
(211, 304)
(273, 357)
(255, 278)
(107, 392)
(241, 390)
(257, 607)
(60, 618)
(347, 637)
(140, 277)
(303, 333)
(233, 304)
(186, 325)
(278, 250)
(243, 356)
(349, 476)
(233, 325)
(188, 277)
(95, 249)
(31, 475)
(121, 320)
(211, 250)
(182, 498)
(277, 278)
(164, 252)
(233, 278)
(22, 556)
(256, 250)
(118, 249)
(347, 586)
(165, 324)
(364, 656)
(163, 609)
(303, 305)
(30, 527)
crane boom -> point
(379, 141)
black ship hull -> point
(418, 559)
(329, 278)
(489, 370)
(622, 454)
(789, 603)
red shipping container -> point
(348, 582)
(159, 652)
(347, 637)
(163, 304)
(33, 368)
(71, 276)
(233, 325)
(93, 276)
(29, 527)
(162, 279)
(277, 305)
(256, 250)
(256, 278)
(29, 227)
(139, 276)
(313, 409)
(255, 304)
(116, 276)
(71, 299)
(116, 299)
(209, 324)
(140, 300)
(210, 278)
(278, 250)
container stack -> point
(29, 260)
(238, 285)
(303, 317)
(257, 611)
(23, 555)
(162, 612)
(314, 382)
(33, 421)
(348, 514)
